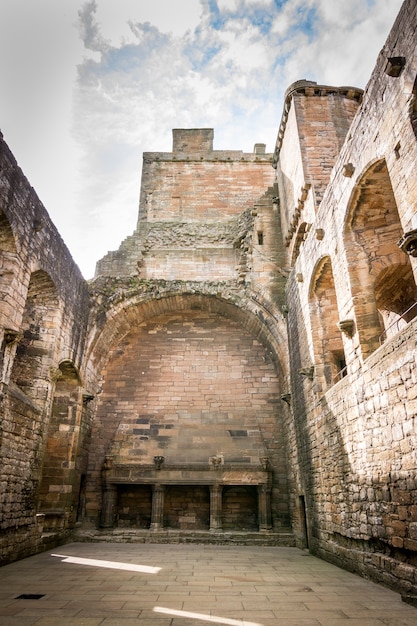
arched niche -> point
(329, 352)
(40, 325)
(59, 486)
(259, 317)
(382, 283)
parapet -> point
(310, 88)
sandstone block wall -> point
(351, 298)
(192, 212)
(189, 386)
(314, 125)
(43, 321)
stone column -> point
(216, 507)
(109, 491)
(264, 508)
(157, 518)
(108, 510)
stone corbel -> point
(108, 463)
(87, 397)
(308, 372)
(264, 461)
(159, 461)
(11, 335)
(408, 243)
(216, 461)
(348, 170)
(286, 397)
(347, 327)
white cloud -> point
(176, 17)
(345, 42)
(87, 86)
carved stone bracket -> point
(348, 170)
(408, 243)
(347, 327)
(216, 461)
(159, 461)
(286, 397)
(264, 461)
(308, 372)
(11, 335)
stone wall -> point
(189, 385)
(351, 297)
(194, 211)
(43, 313)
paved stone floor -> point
(93, 584)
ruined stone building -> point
(244, 366)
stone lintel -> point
(175, 475)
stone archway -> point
(197, 390)
(381, 278)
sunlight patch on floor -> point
(129, 567)
(206, 618)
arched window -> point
(40, 324)
(382, 283)
(396, 298)
(329, 352)
(59, 484)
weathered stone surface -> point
(43, 316)
(243, 368)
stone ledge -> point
(119, 535)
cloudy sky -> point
(88, 86)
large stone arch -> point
(371, 235)
(195, 380)
(121, 312)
